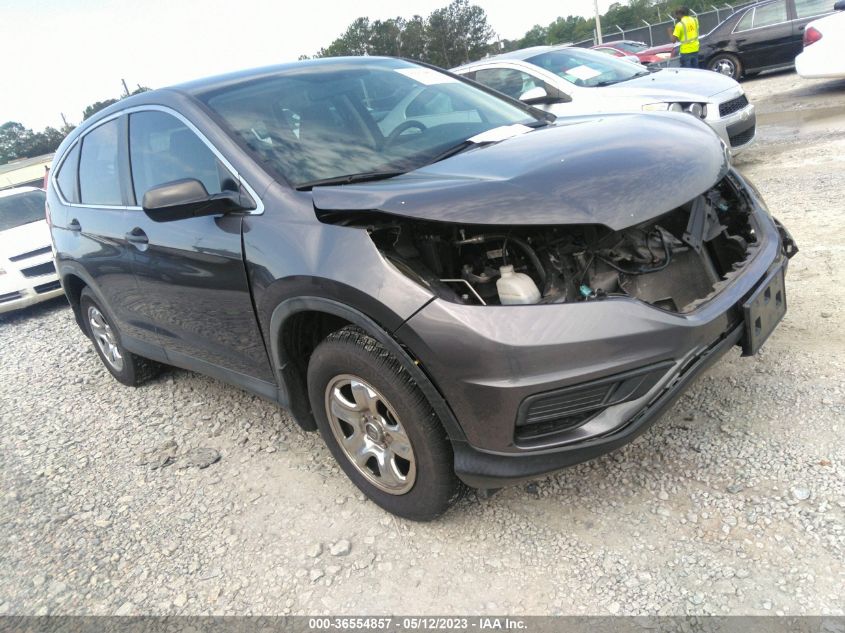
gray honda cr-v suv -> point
(452, 286)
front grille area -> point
(10, 296)
(50, 285)
(41, 269)
(734, 105)
(742, 137)
(544, 415)
(34, 253)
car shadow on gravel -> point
(37, 311)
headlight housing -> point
(698, 110)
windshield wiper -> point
(348, 179)
(455, 149)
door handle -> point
(137, 236)
(74, 225)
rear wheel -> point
(726, 64)
(380, 428)
(127, 368)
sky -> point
(62, 55)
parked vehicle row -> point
(453, 286)
(570, 81)
(824, 40)
(27, 272)
(639, 51)
(762, 36)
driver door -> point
(190, 272)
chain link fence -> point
(655, 34)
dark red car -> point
(640, 50)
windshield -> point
(381, 116)
(21, 208)
(628, 47)
(587, 68)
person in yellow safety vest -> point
(686, 32)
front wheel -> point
(726, 64)
(380, 428)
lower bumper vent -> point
(554, 412)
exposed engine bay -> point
(675, 261)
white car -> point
(27, 272)
(823, 42)
(570, 81)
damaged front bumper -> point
(541, 387)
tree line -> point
(460, 33)
(18, 141)
(450, 35)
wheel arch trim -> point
(291, 393)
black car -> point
(760, 36)
(448, 284)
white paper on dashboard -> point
(500, 133)
(583, 72)
(426, 76)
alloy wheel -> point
(105, 338)
(370, 434)
(725, 67)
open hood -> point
(616, 170)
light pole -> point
(598, 21)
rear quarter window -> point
(746, 22)
(66, 177)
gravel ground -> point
(732, 503)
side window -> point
(163, 149)
(99, 177)
(808, 8)
(66, 178)
(508, 81)
(746, 22)
(770, 14)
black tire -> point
(726, 64)
(350, 355)
(132, 370)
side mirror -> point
(188, 198)
(535, 95)
(541, 96)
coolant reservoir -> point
(516, 288)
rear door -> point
(764, 36)
(191, 272)
(90, 228)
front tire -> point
(726, 64)
(126, 367)
(380, 428)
